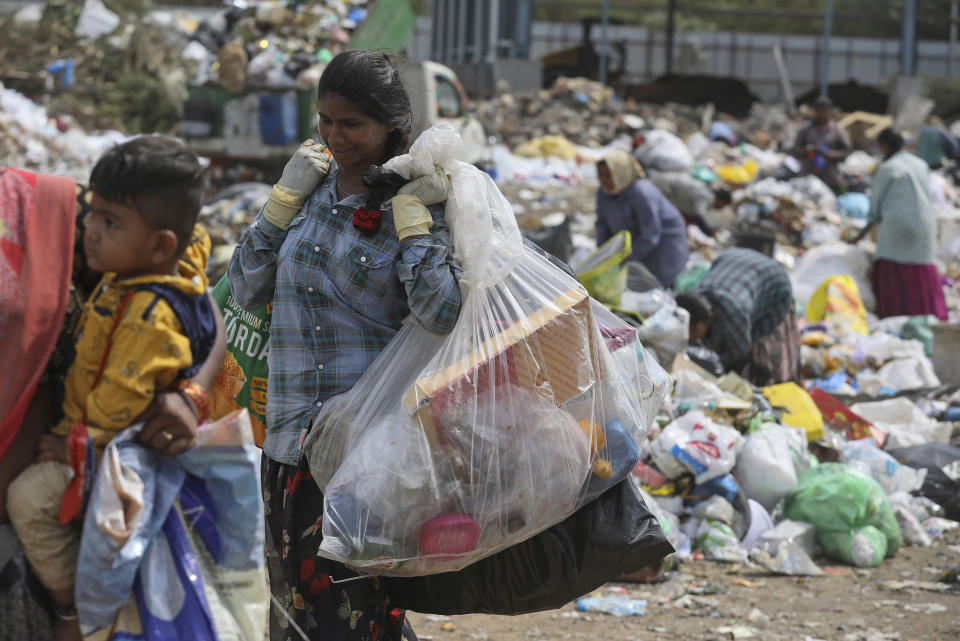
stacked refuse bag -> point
(848, 466)
(784, 477)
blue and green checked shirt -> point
(751, 295)
(338, 298)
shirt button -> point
(310, 289)
(317, 328)
(316, 248)
(319, 404)
(320, 366)
(363, 259)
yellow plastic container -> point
(801, 411)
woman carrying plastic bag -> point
(451, 448)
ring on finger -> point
(166, 435)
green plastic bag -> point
(850, 512)
(691, 277)
(919, 328)
(242, 381)
(604, 272)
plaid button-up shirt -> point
(751, 296)
(338, 298)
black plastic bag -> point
(705, 358)
(556, 240)
(613, 535)
(939, 487)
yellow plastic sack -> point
(547, 147)
(838, 299)
(801, 411)
(735, 175)
(604, 272)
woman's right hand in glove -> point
(303, 172)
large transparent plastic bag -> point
(451, 448)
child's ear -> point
(164, 246)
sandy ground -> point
(707, 601)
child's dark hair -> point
(697, 304)
(159, 176)
(369, 80)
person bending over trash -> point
(626, 200)
(743, 309)
(148, 326)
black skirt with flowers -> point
(324, 598)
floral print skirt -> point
(324, 599)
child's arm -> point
(169, 412)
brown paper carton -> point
(554, 352)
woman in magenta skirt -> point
(905, 278)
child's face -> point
(117, 239)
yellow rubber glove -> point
(301, 175)
(410, 216)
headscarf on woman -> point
(624, 169)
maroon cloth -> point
(904, 289)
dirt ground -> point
(713, 601)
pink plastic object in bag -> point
(649, 476)
(449, 534)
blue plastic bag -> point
(183, 535)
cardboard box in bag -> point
(554, 352)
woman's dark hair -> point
(890, 139)
(369, 80)
(697, 304)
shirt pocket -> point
(363, 276)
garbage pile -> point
(582, 111)
(103, 69)
(784, 478)
(838, 466)
(272, 44)
(139, 64)
(31, 139)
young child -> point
(149, 325)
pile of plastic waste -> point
(139, 63)
(31, 139)
(789, 479)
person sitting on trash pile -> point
(693, 197)
(905, 277)
(822, 145)
(148, 326)
(627, 201)
(743, 309)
